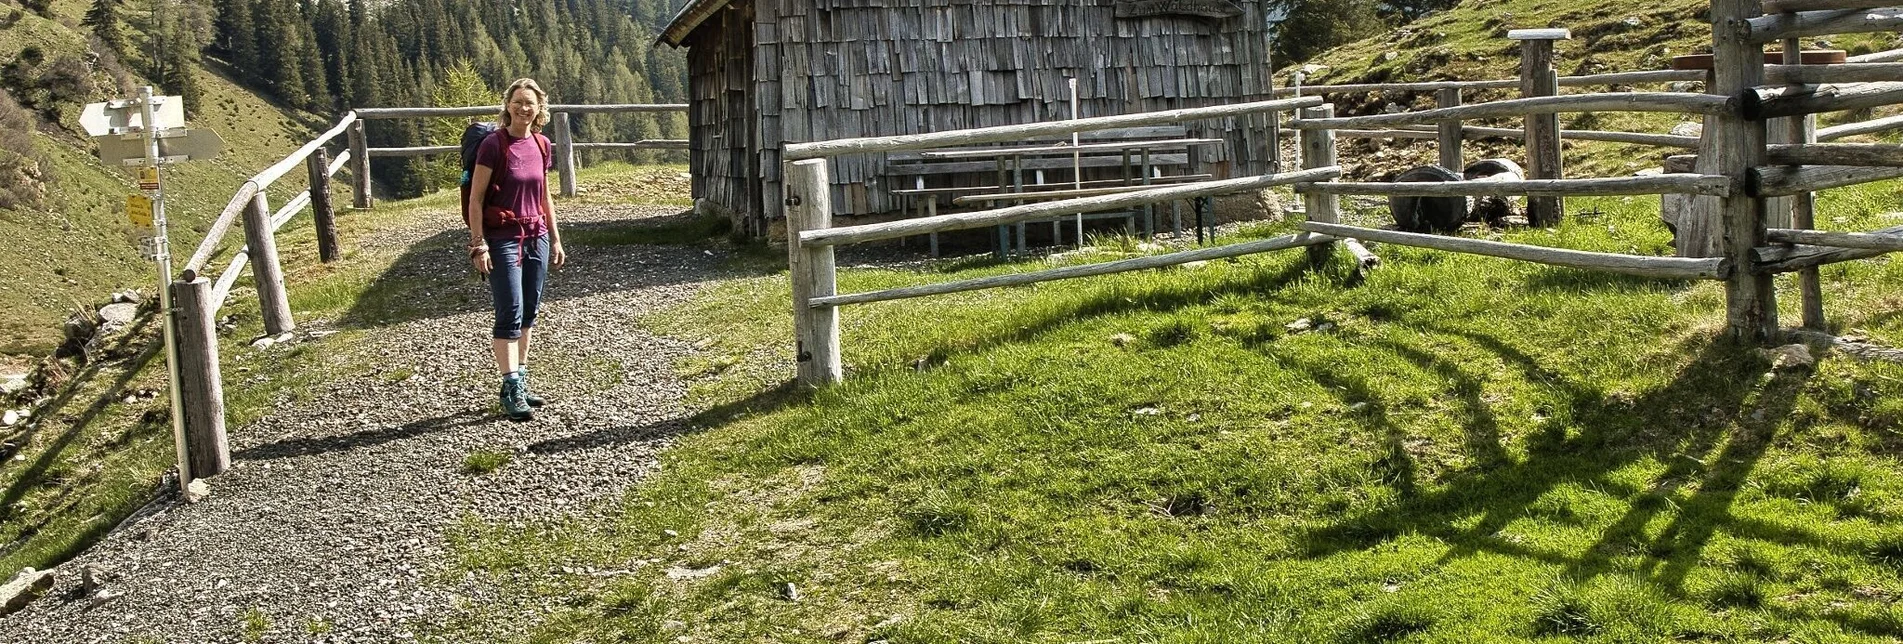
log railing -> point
(559, 131)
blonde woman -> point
(515, 241)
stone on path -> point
(27, 586)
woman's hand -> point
(556, 256)
(479, 256)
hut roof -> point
(690, 17)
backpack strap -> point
(547, 160)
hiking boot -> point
(522, 373)
(514, 399)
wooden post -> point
(201, 393)
(1537, 78)
(815, 330)
(1450, 156)
(1803, 129)
(321, 212)
(266, 275)
(1737, 145)
(1318, 151)
(565, 153)
(359, 166)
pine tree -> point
(236, 35)
(103, 18)
(460, 86)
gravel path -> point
(331, 524)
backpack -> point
(473, 136)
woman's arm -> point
(472, 215)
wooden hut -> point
(766, 72)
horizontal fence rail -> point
(1590, 80)
(1713, 268)
(1680, 103)
(375, 113)
(1691, 184)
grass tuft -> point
(485, 461)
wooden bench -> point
(1140, 154)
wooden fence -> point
(1737, 169)
(197, 299)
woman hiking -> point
(512, 234)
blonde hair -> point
(541, 103)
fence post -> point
(1803, 129)
(1537, 78)
(1737, 145)
(201, 393)
(1450, 156)
(321, 212)
(359, 166)
(565, 153)
(1318, 151)
(266, 275)
(815, 330)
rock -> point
(128, 296)
(1650, 172)
(92, 578)
(1684, 86)
(1299, 326)
(1313, 69)
(263, 343)
(1123, 339)
(1688, 128)
(789, 592)
(1389, 55)
(27, 586)
(197, 491)
(692, 573)
(11, 418)
(673, 625)
(78, 328)
(1792, 357)
(1633, 21)
(118, 315)
(12, 383)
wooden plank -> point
(1655, 267)
(1073, 272)
(1713, 185)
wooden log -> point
(1826, 74)
(1792, 100)
(229, 278)
(1073, 272)
(1537, 79)
(1000, 134)
(1779, 259)
(644, 144)
(1048, 210)
(1641, 138)
(1889, 155)
(1803, 206)
(1657, 267)
(1873, 126)
(1589, 80)
(1736, 145)
(1872, 241)
(284, 166)
(360, 170)
(1319, 153)
(371, 113)
(321, 214)
(1610, 102)
(1425, 135)
(813, 273)
(266, 275)
(1778, 26)
(219, 226)
(287, 211)
(1808, 57)
(1365, 260)
(1885, 56)
(1448, 145)
(1781, 180)
(1691, 184)
(414, 152)
(338, 163)
(201, 388)
(1793, 6)
(565, 152)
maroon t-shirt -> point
(520, 185)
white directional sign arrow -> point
(114, 117)
(176, 144)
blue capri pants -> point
(518, 268)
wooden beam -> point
(1826, 74)
(322, 215)
(1073, 272)
(1871, 241)
(1590, 80)
(1778, 26)
(1658, 267)
(1004, 133)
(492, 110)
(413, 152)
(1793, 6)
(1781, 180)
(1712, 185)
(1793, 100)
(814, 274)
(1736, 144)
(360, 168)
(1039, 211)
(1640, 138)
(219, 226)
(201, 387)
(266, 274)
(296, 158)
(1319, 151)
(644, 144)
(1447, 133)
(1610, 102)
(1857, 154)
(1872, 126)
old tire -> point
(1428, 214)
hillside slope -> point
(77, 247)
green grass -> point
(485, 461)
(1476, 450)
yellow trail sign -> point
(139, 210)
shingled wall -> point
(828, 69)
